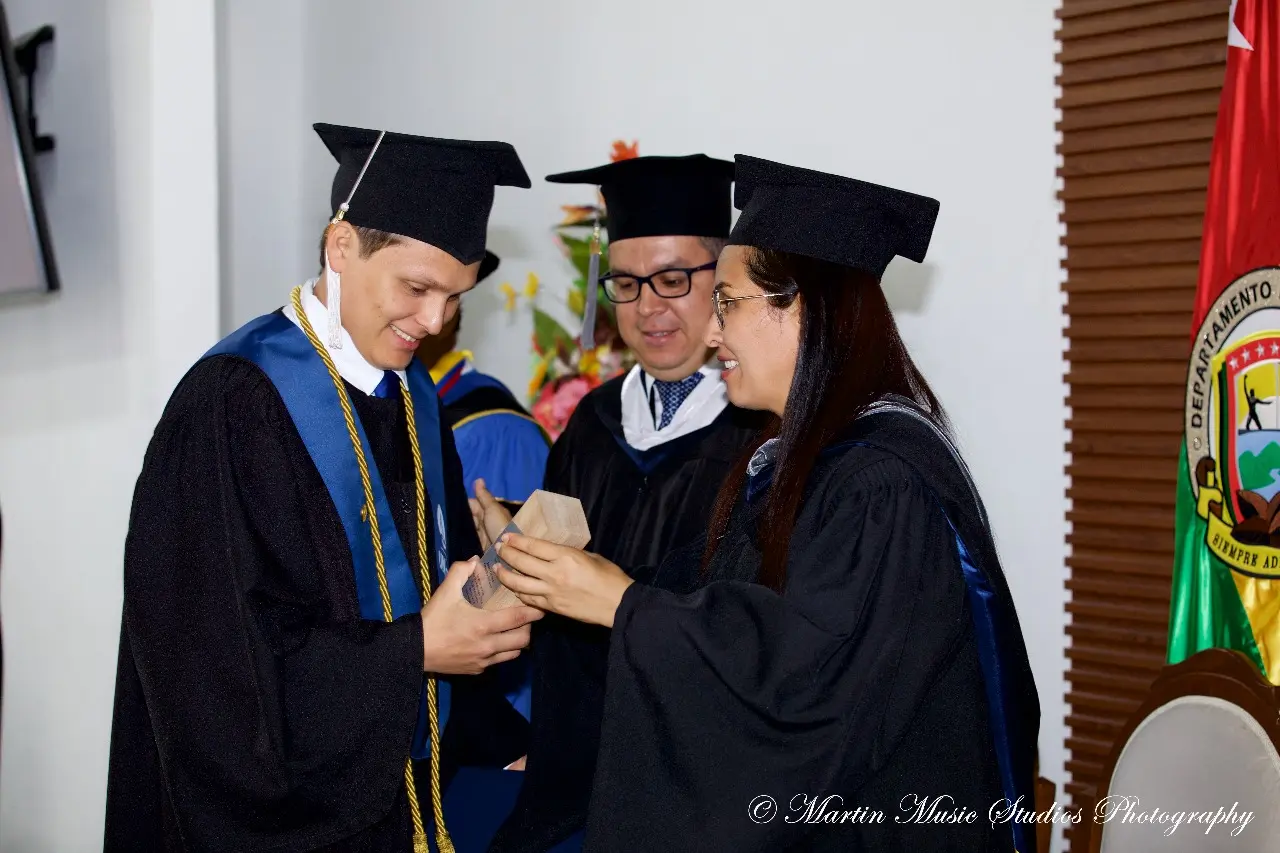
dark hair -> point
(371, 240)
(849, 356)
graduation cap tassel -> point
(333, 291)
(333, 281)
(593, 284)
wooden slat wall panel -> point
(1136, 16)
(1135, 231)
(1140, 85)
(1082, 400)
(1086, 490)
(1126, 113)
(1146, 62)
(1136, 159)
(1105, 351)
(1177, 81)
(1132, 281)
(1194, 31)
(1079, 8)
(1136, 255)
(1139, 326)
(1190, 202)
(1183, 129)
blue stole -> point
(990, 623)
(281, 349)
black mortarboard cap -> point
(439, 191)
(829, 217)
(487, 266)
(661, 196)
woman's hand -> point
(564, 580)
(489, 516)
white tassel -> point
(593, 284)
(333, 281)
(333, 292)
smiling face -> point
(665, 334)
(396, 296)
(759, 343)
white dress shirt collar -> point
(703, 405)
(350, 363)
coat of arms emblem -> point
(1233, 424)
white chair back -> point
(1198, 775)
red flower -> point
(557, 400)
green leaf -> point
(549, 334)
(579, 252)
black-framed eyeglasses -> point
(669, 283)
(721, 301)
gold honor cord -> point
(443, 842)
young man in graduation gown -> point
(289, 635)
(645, 453)
(498, 441)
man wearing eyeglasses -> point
(645, 453)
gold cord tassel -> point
(443, 842)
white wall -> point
(268, 243)
(949, 99)
(128, 90)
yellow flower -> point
(510, 293)
(539, 376)
(577, 301)
(531, 286)
(589, 364)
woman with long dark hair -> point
(838, 665)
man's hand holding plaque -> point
(488, 514)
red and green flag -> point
(1226, 574)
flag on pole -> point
(1226, 574)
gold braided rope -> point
(443, 842)
(420, 502)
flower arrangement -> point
(563, 372)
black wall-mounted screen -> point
(26, 251)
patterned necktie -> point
(389, 385)
(673, 394)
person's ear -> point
(341, 245)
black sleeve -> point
(280, 720)
(717, 696)
(556, 477)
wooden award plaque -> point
(545, 515)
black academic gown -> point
(255, 710)
(861, 681)
(639, 506)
